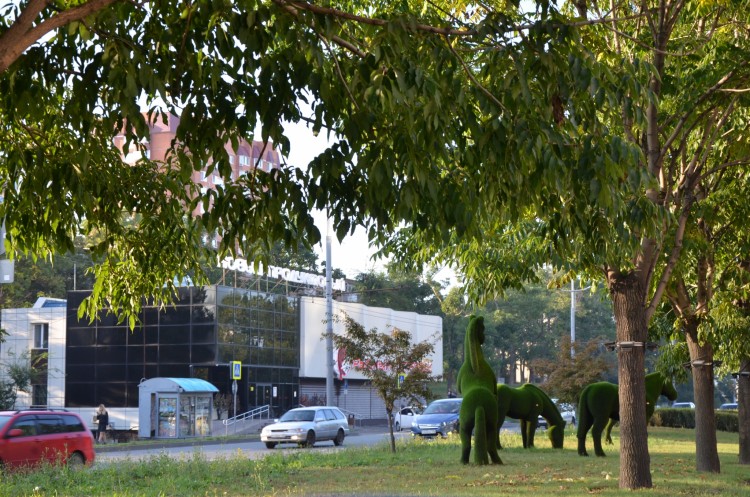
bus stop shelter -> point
(175, 408)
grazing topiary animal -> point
(599, 408)
(477, 384)
(526, 403)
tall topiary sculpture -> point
(599, 408)
(526, 403)
(477, 384)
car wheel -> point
(270, 445)
(397, 426)
(310, 440)
(76, 460)
(339, 438)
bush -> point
(728, 421)
(685, 418)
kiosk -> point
(175, 408)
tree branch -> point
(23, 34)
(474, 79)
(706, 95)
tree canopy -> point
(496, 136)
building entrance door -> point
(263, 395)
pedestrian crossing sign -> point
(236, 370)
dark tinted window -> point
(26, 424)
(72, 423)
(79, 394)
(174, 334)
(175, 354)
(175, 315)
(112, 354)
(49, 424)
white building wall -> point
(313, 326)
(19, 324)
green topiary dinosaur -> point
(475, 371)
(599, 408)
(477, 383)
(478, 414)
(527, 403)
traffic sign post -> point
(236, 374)
(401, 379)
(236, 370)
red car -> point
(50, 436)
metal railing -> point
(257, 413)
(356, 415)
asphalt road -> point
(250, 448)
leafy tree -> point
(566, 376)
(526, 326)
(382, 358)
(223, 403)
(455, 321)
(627, 229)
(399, 289)
(21, 371)
(7, 395)
(45, 278)
(583, 130)
(707, 291)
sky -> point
(353, 255)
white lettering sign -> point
(242, 266)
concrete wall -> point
(313, 327)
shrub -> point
(685, 418)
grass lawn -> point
(420, 467)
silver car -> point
(305, 426)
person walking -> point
(102, 419)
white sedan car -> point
(305, 426)
(567, 411)
(403, 419)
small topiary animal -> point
(599, 408)
(526, 403)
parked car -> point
(31, 437)
(306, 426)
(439, 418)
(567, 411)
(404, 418)
(683, 405)
(731, 406)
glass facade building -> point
(205, 329)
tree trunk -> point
(628, 298)
(743, 401)
(389, 414)
(706, 451)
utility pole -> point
(573, 314)
(572, 317)
(329, 323)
